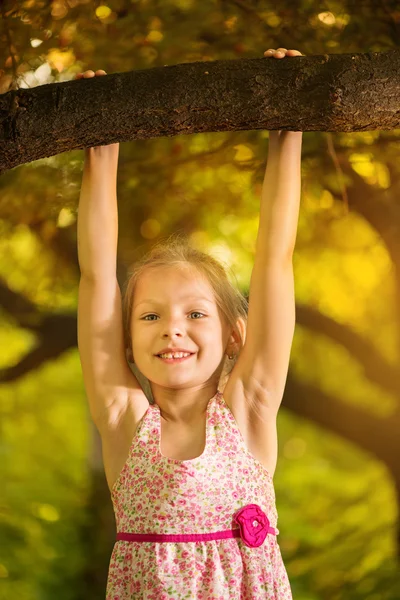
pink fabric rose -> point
(254, 525)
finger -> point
(280, 53)
(101, 72)
(88, 73)
(272, 52)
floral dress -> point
(201, 529)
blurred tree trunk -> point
(98, 526)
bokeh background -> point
(338, 475)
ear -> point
(241, 323)
(234, 341)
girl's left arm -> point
(280, 198)
(271, 317)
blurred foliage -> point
(338, 513)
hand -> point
(90, 73)
(86, 75)
(281, 53)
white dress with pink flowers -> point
(203, 528)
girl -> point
(191, 473)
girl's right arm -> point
(98, 213)
(111, 387)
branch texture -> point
(330, 92)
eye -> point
(195, 312)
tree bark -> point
(329, 92)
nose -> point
(173, 325)
(172, 332)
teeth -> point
(177, 355)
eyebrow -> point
(151, 300)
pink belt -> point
(253, 529)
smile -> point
(175, 360)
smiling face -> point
(176, 307)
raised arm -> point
(264, 360)
(98, 213)
(111, 387)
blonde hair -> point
(177, 251)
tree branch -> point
(330, 92)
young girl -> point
(190, 475)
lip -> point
(173, 361)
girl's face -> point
(176, 307)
